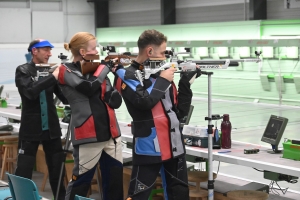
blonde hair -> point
(79, 41)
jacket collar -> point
(77, 65)
(137, 65)
(31, 63)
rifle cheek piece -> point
(152, 66)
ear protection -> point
(150, 52)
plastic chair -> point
(82, 198)
(22, 188)
(5, 193)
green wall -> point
(245, 82)
(204, 31)
(255, 29)
(280, 27)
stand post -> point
(210, 185)
(215, 64)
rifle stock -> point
(91, 62)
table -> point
(261, 160)
(13, 113)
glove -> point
(113, 99)
(190, 76)
(108, 64)
(116, 68)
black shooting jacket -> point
(39, 116)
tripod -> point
(208, 65)
(65, 150)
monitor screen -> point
(274, 130)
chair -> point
(198, 177)
(22, 188)
(82, 198)
(10, 147)
(5, 193)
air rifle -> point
(91, 62)
(154, 65)
(45, 69)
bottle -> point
(216, 139)
(226, 132)
(4, 103)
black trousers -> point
(174, 176)
(54, 158)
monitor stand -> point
(274, 150)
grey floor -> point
(248, 121)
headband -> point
(43, 43)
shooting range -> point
(240, 135)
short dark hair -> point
(149, 37)
(33, 42)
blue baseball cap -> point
(39, 43)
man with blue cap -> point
(39, 120)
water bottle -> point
(226, 132)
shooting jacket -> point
(156, 110)
(39, 117)
(92, 100)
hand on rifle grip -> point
(113, 65)
(115, 60)
(116, 67)
(109, 64)
(168, 73)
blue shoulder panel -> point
(149, 89)
(133, 83)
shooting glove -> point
(190, 76)
(119, 66)
(113, 99)
(108, 64)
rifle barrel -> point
(231, 64)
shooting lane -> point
(250, 92)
